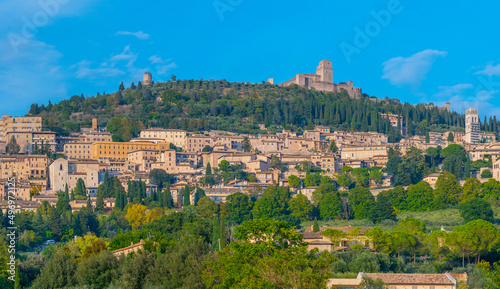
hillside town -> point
(268, 159)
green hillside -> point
(196, 105)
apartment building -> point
(166, 160)
(196, 143)
(227, 141)
(482, 151)
(27, 131)
(78, 150)
(62, 140)
(349, 152)
(142, 159)
(120, 150)
(322, 129)
(267, 145)
(327, 163)
(174, 136)
(95, 136)
(24, 167)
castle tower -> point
(147, 79)
(447, 106)
(94, 124)
(325, 71)
(472, 126)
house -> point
(220, 194)
(267, 177)
(399, 281)
(416, 281)
(352, 235)
(133, 248)
(432, 179)
(308, 192)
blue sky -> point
(416, 51)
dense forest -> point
(199, 105)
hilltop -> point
(199, 105)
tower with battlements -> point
(147, 79)
(325, 71)
(472, 126)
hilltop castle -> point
(323, 81)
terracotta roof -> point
(132, 245)
(412, 279)
(312, 236)
(320, 243)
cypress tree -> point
(186, 197)
(222, 234)
(89, 206)
(100, 200)
(315, 226)
(216, 233)
(168, 201)
(118, 201)
(66, 193)
(467, 168)
(160, 199)
(208, 170)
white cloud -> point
(411, 70)
(450, 91)
(113, 66)
(140, 35)
(155, 59)
(490, 70)
(162, 69)
(162, 66)
(84, 70)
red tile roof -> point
(412, 279)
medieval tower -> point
(325, 71)
(472, 126)
(147, 78)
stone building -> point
(142, 159)
(95, 136)
(27, 131)
(63, 172)
(119, 150)
(323, 81)
(496, 170)
(174, 136)
(367, 152)
(78, 150)
(166, 160)
(472, 126)
(19, 124)
(196, 143)
(24, 167)
(147, 79)
(133, 248)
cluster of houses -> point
(89, 154)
